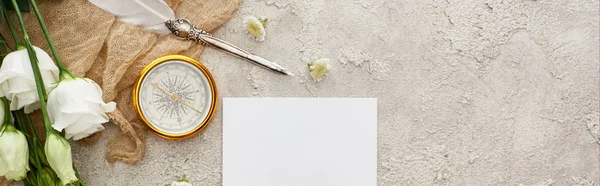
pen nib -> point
(287, 73)
(282, 70)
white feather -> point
(150, 14)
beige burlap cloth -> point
(94, 44)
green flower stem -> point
(33, 140)
(13, 32)
(79, 180)
(39, 83)
(36, 141)
(59, 63)
(3, 47)
(183, 179)
(27, 182)
(6, 110)
(21, 123)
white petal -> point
(16, 174)
(18, 84)
(85, 133)
(62, 120)
(28, 109)
(110, 106)
(13, 65)
(45, 61)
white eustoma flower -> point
(76, 105)
(255, 27)
(182, 182)
(17, 81)
(178, 183)
(58, 153)
(14, 153)
(318, 68)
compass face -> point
(175, 98)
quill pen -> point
(157, 16)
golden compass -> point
(175, 96)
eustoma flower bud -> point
(14, 153)
(58, 153)
(76, 105)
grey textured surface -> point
(471, 92)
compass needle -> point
(176, 98)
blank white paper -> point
(299, 142)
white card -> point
(299, 142)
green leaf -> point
(23, 5)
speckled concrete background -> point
(471, 92)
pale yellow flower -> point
(318, 68)
(256, 27)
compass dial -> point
(175, 97)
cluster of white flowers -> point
(257, 29)
(74, 104)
